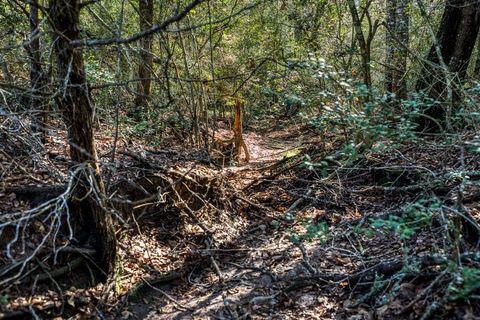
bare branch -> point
(155, 28)
(88, 2)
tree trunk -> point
(476, 70)
(239, 143)
(390, 43)
(397, 38)
(38, 107)
(145, 9)
(455, 41)
(362, 43)
(401, 54)
(77, 107)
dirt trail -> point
(268, 146)
(266, 149)
(252, 264)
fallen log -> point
(36, 195)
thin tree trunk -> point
(397, 38)
(195, 127)
(38, 107)
(391, 22)
(362, 43)
(77, 108)
(476, 70)
(145, 65)
(400, 57)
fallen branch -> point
(169, 297)
(56, 273)
(55, 189)
(384, 268)
(135, 292)
(288, 214)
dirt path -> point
(268, 146)
(266, 149)
(244, 276)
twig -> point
(169, 297)
(164, 279)
(288, 213)
(261, 270)
(209, 242)
(423, 293)
(155, 28)
(305, 259)
(191, 214)
(253, 204)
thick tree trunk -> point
(145, 64)
(455, 41)
(38, 107)
(76, 104)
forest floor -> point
(279, 237)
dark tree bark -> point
(397, 38)
(145, 9)
(455, 41)
(390, 6)
(38, 80)
(364, 40)
(77, 107)
(401, 54)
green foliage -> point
(151, 126)
(415, 216)
(368, 232)
(319, 231)
(351, 109)
(97, 73)
(466, 282)
(140, 129)
(398, 225)
(313, 166)
(4, 299)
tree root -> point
(56, 273)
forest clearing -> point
(265, 159)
